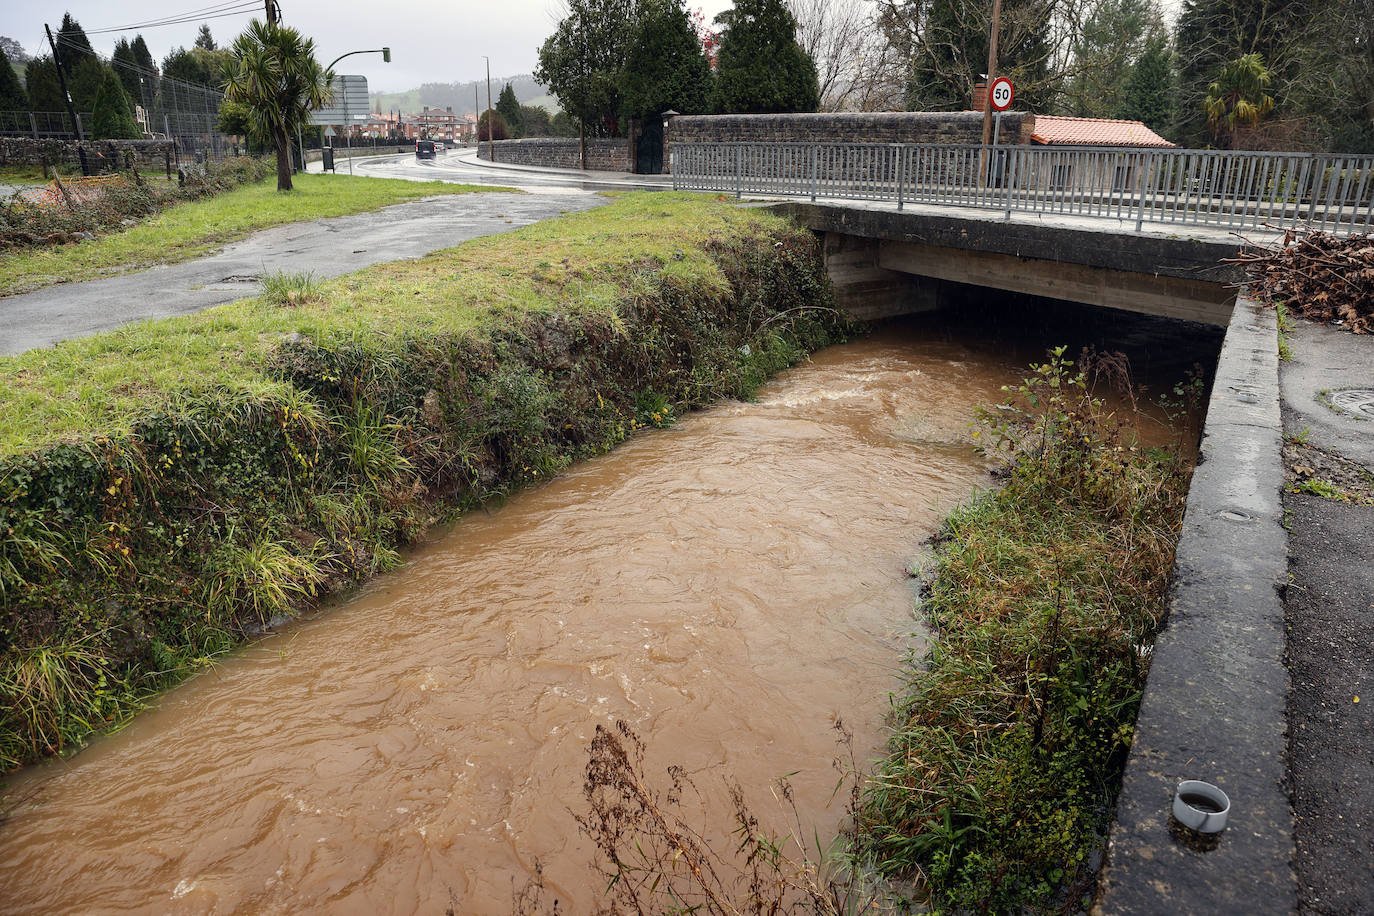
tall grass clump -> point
(1008, 744)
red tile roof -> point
(1051, 129)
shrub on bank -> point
(111, 203)
(319, 433)
(1009, 742)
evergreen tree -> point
(496, 123)
(665, 67)
(1111, 41)
(84, 82)
(112, 116)
(951, 54)
(1149, 93)
(583, 60)
(204, 41)
(126, 68)
(1213, 33)
(12, 94)
(144, 58)
(508, 107)
(760, 67)
(72, 44)
(536, 121)
(181, 64)
(41, 83)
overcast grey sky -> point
(430, 42)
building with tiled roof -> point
(1052, 130)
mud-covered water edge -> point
(729, 586)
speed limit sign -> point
(1001, 93)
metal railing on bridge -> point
(1227, 189)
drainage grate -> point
(1357, 401)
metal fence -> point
(1235, 190)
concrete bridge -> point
(1214, 706)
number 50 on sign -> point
(1001, 93)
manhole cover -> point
(1357, 401)
(241, 278)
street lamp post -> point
(491, 134)
(348, 132)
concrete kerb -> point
(1214, 704)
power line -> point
(239, 8)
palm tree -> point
(276, 75)
(1238, 97)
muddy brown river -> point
(729, 586)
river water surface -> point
(730, 586)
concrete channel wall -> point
(1214, 704)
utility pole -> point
(476, 113)
(992, 72)
(62, 80)
(271, 12)
(491, 134)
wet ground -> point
(328, 247)
(1329, 605)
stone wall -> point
(841, 127)
(151, 155)
(563, 153)
(849, 127)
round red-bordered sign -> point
(1001, 93)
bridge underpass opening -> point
(878, 278)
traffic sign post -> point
(1000, 96)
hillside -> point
(461, 97)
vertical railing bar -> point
(1266, 181)
(1345, 190)
(1329, 174)
(1359, 194)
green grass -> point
(1008, 744)
(32, 174)
(100, 385)
(194, 229)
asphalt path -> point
(328, 248)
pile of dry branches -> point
(1316, 276)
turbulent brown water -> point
(730, 586)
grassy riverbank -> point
(168, 488)
(193, 229)
(1009, 742)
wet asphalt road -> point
(327, 247)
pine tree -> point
(666, 67)
(72, 44)
(761, 68)
(126, 68)
(508, 107)
(204, 40)
(12, 94)
(84, 82)
(1149, 93)
(42, 86)
(112, 117)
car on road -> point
(439, 147)
(424, 149)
